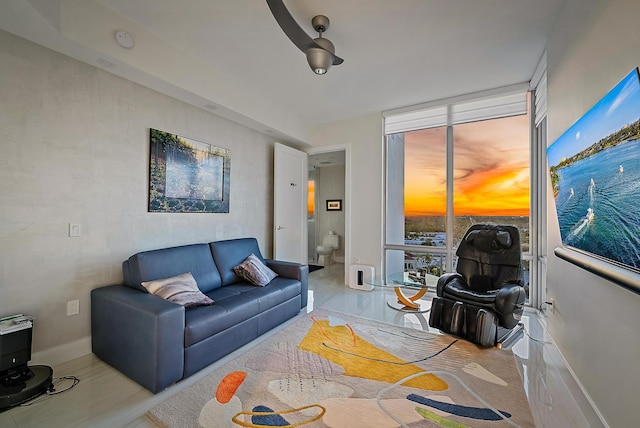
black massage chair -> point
(483, 301)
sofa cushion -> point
(230, 253)
(235, 304)
(254, 271)
(168, 262)
(180, 289)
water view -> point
(598, 205)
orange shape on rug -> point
(363, 359)
(228, 386)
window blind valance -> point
(419, 119)
(511, 102)
(539, 86)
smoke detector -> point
(124, 39)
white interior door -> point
(290, 208)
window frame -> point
(410, 118)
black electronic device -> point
(19, 382)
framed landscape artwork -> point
(595, 175)
(187, 176)
(595, 171)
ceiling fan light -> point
(319, 60)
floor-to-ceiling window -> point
(453, 165)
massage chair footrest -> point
(469, 322)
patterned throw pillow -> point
(253, 270)
(181, 289)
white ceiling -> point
(319, 160)
(230, 56)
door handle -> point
(279, 227)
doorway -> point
(328, 210)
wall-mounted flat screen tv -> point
(595, 175)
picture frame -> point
(187, 176)
(334, 204)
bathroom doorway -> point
(328, 205)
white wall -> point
(593, 45)
(364, 137)
(330, 185)
(74, 147)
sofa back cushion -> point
(230, 253)
(168, 262)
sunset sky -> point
(491, 169)
(311, 197)
(619, 107)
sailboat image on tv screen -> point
(595, 175)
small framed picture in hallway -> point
(334, 204)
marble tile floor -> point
(106, 398)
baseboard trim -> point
(62, 353)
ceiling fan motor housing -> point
(325, 44)
(319, 59)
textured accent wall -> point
(74, 148)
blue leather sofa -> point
(157, 342)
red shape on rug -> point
(228, 386)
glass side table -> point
(402, 281)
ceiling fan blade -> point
(289, 25)
(291, 28)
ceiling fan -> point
(320, 52)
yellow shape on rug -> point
(360, 358)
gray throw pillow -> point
(253, 270)
(181, 289)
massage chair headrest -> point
(491, 244)
(488, 240)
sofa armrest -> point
(139, 334)
(294, 271)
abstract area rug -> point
(333, 370)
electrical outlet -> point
(75, 230)
(73, 307)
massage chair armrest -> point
(509, 304)
(294, 271)
(446, 279)
(139, 334)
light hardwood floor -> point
(106, 398)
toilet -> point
(330, 243)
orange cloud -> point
(491, 169)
